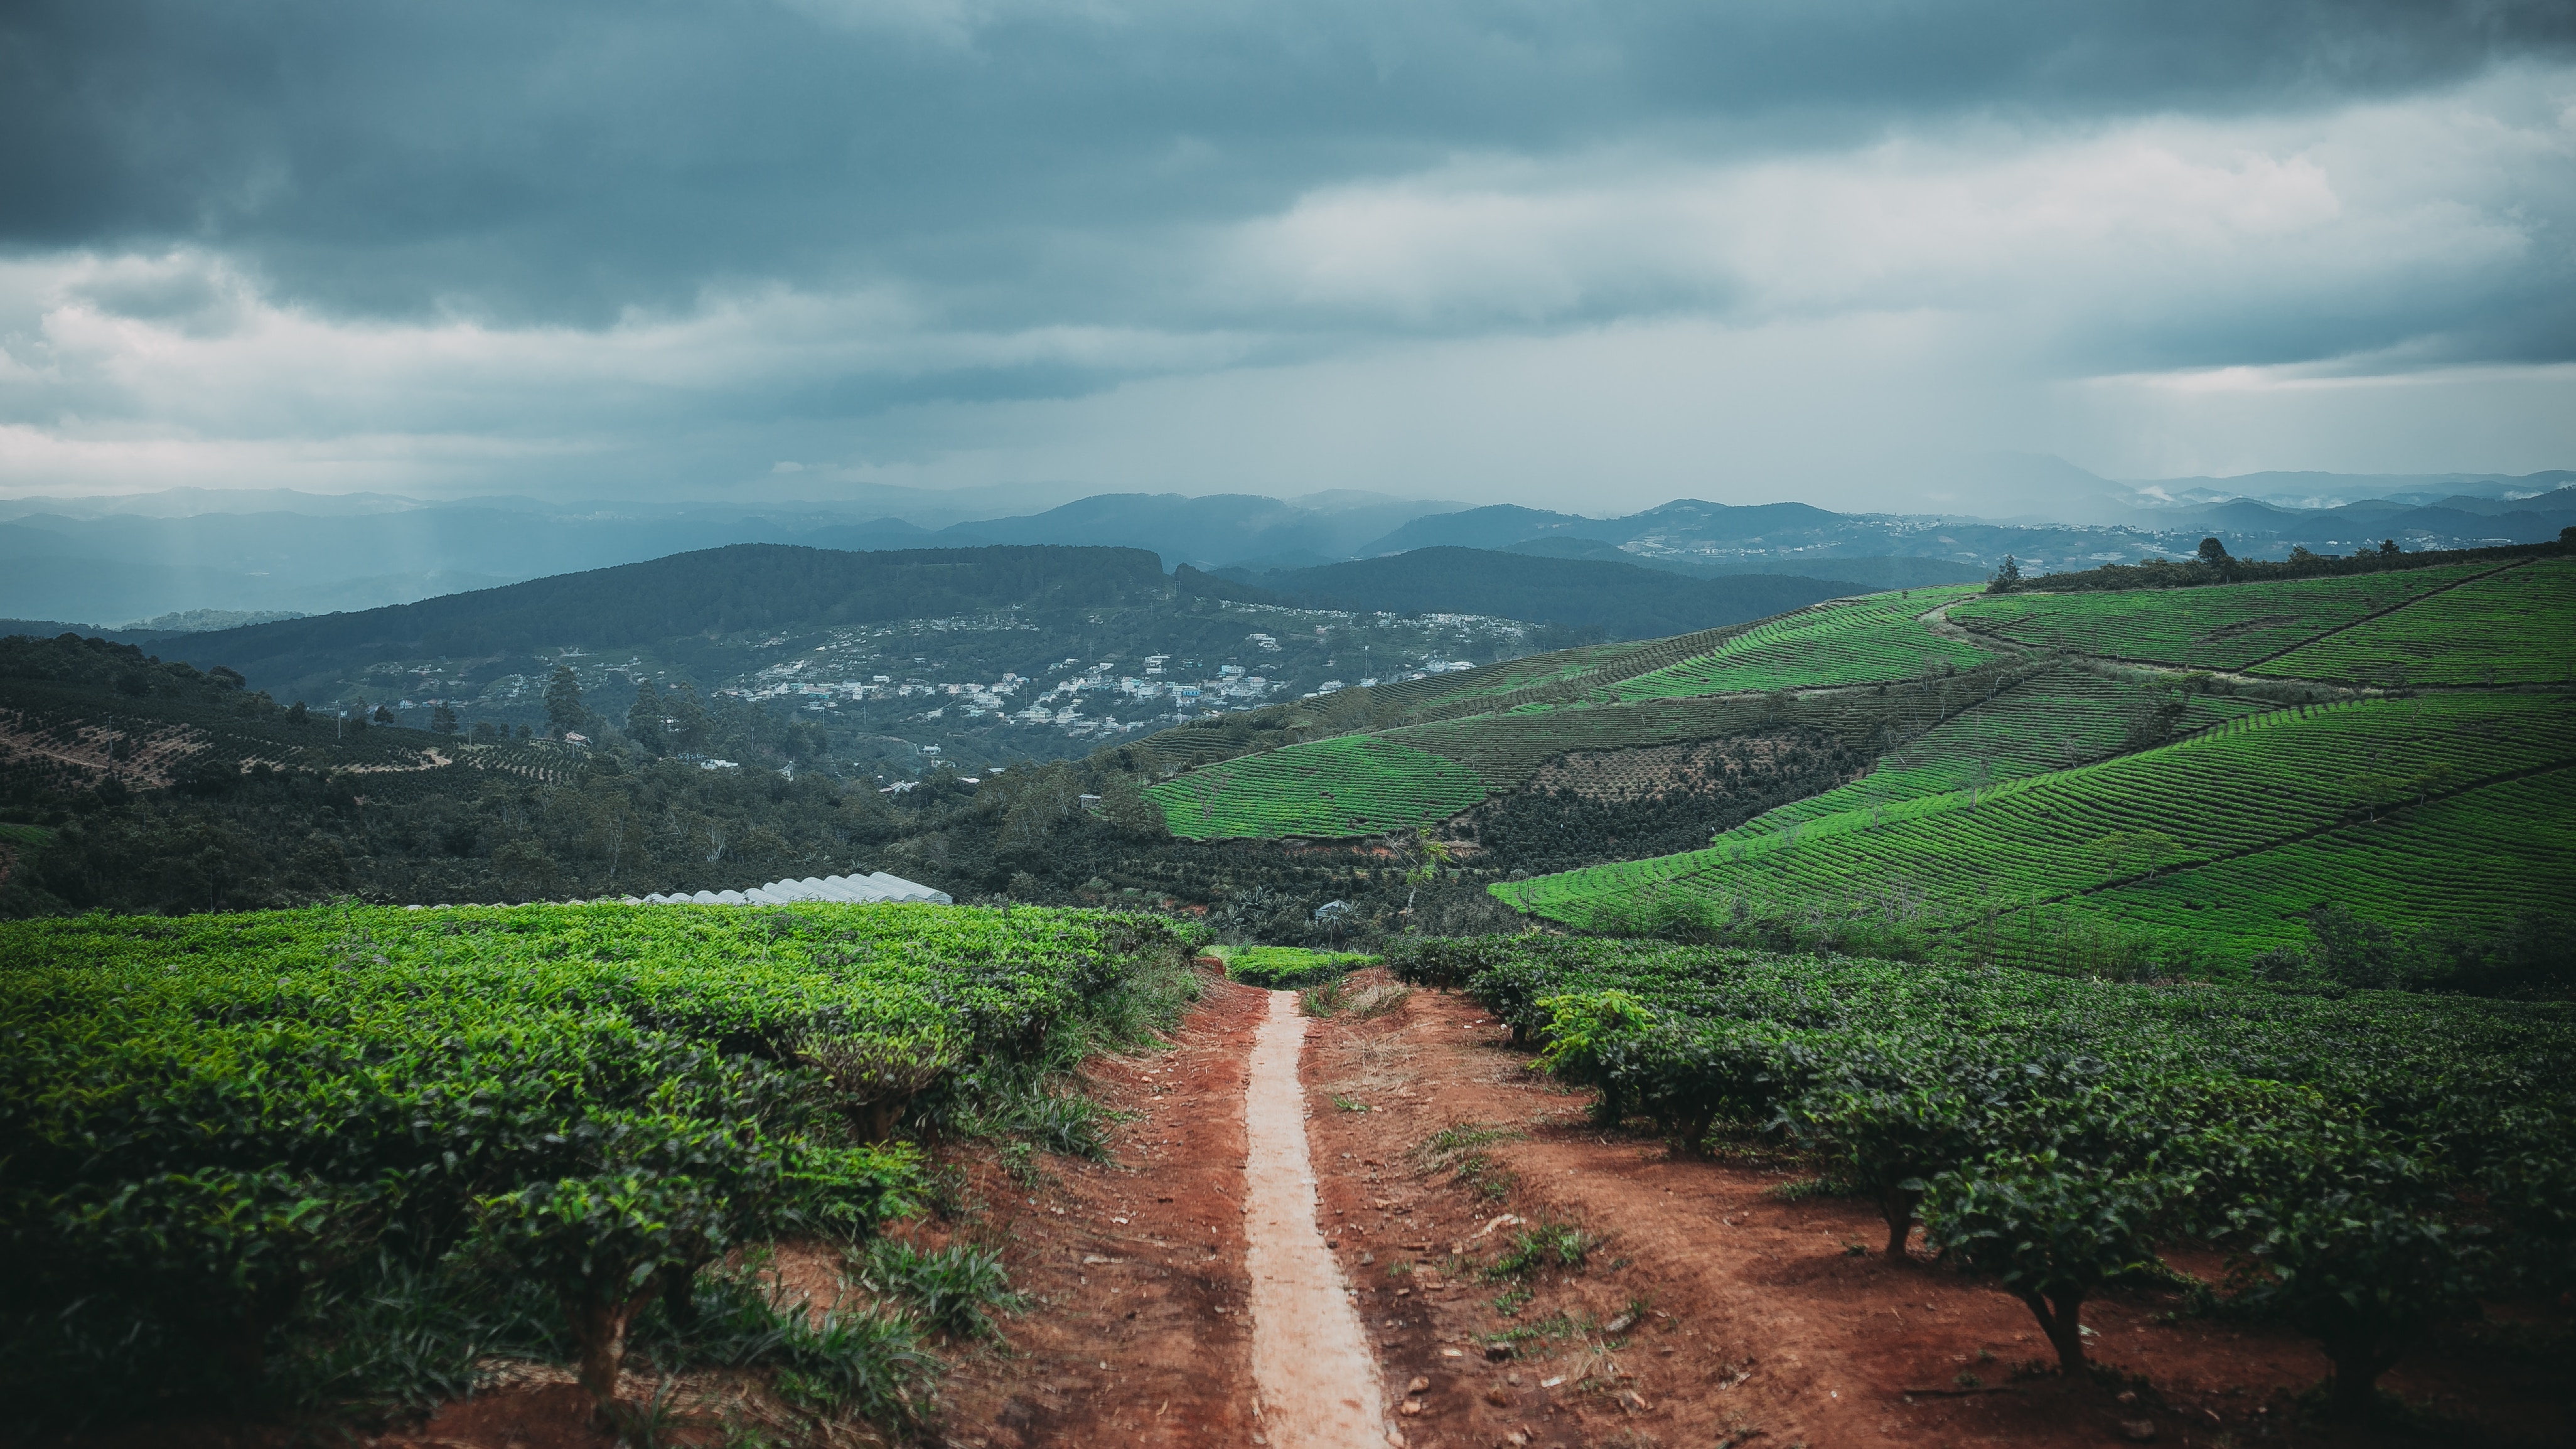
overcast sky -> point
(1587, 256)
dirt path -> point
(1317, 1382)
(1138, 1331)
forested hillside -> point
(134, 784)
(717, 591)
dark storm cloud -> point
(1441, 248)
(564, 161)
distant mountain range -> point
(110, 561)
(2333, 490)
(1620, 599)
(684, 604)
(1796, 538)
(109, 567)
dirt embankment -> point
(1140, 1329)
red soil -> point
(1139, 1335)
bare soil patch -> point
(1139, 1331)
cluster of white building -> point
(828, 694)
(1074, 703)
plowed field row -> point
(2062, 719)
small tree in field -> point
(2007, 578)
(564, 711)
(602, 1244)
(2360, 1256)
(651, 1196)
(2051, 1231)
(1425, 856)
(1890, 1140)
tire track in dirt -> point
(1316, 1379)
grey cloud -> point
(563, 162)
(1195, 244)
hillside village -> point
(1085, 699)
(896, 698)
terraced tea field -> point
(2507, 627)
(2067, 717)
(1345, 786)
(2247, 786)
(1867, 640)
(1544, 682)
(2484, 855)
(2218, 627)
(1300, 790)
(2082, 794)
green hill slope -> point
(2057, 719)
(1348, 785)
(1959, 861)
(2483, 856)
(2105, 779)
(1868, 640)
(1493, 733)
(1505, 721)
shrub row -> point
(209, 1120)
(2373, 1163)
